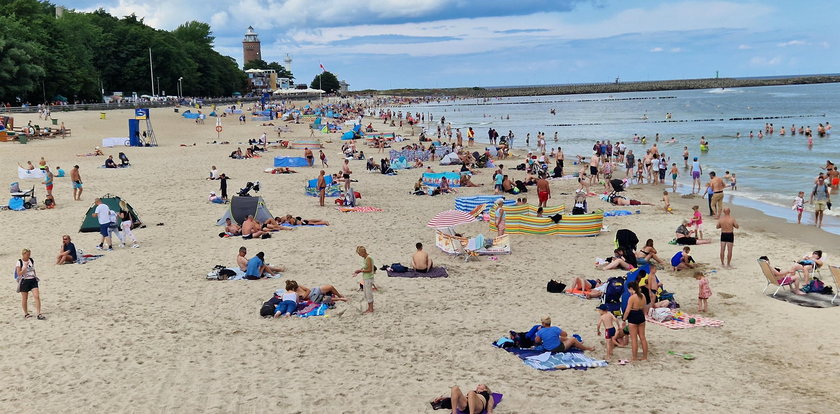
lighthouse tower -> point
(251, 46)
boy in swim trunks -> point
(607, 319)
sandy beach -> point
(142, 330)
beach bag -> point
(661, 314)
(267, 310)
(555, 286)
(398, 268)
(615, 288)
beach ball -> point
(692, 321)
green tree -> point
(20, 74)
(325, 81)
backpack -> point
(555, 286)
(615, 288)
(815, 286)
(268, 307)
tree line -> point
(76, 56)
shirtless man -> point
(345, 171)
(727, 226)
(543, 190)
(420, 260)
(717, 185)
(77, 183)
(310, 158)
(251, 228)
(322, 187)
(231, 228)
(593, 169)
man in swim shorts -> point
(543, 190)
(717, 185)
(820, 197)
(727, 226)
(310, 158)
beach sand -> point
(141, 330)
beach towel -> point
(307, 309)
(365, 209)
(810, 300)
(434, 272)
(546, 361)
(84, 258)
(617, 213)
(303, 225)
(683, 322)
(35, 174)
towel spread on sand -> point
(685, 324)
(546, 361)
(364, 209)
(88, 258)
(434, 272)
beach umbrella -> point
(450, 218)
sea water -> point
(770, 171)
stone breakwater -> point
(647, 86)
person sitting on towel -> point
(420, 260)
(320, 294)
(553, 339)
(246, 265)
(251, 228)
(109, 163)
(444, 186)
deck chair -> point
(477, 211)
(771, 278)
(835, 274)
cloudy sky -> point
(445, 43)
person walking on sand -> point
(727, 226)
(322, 187)
(543, 190)
(717, 185)
(102, 214)
(27, 281)
(48, 180)
(367, 270)
(696, 171)
(77, 183)
(323, 158)
(821, 199)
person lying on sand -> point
(618, 200)
(275, 223)
(477, 401)
(590, 288)
(251, 228)
(297, 221)
(281, 170)
(616, 262)
(96, 152)
(320, 294)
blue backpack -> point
(612, 296)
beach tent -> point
(290, 162)
(450, 159)
(241, 207)
(91, 224)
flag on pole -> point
(322, 67)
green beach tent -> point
(91, 224)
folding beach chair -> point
(771, 279)
(835, 274)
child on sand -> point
(667, 201)
(704, 293)
(697, 221)
(799, 206)
(608, 321)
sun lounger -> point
(835, 274)
(771, 278)
(451, 244)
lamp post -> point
(180, 87)
(158, 85)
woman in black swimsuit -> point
(635, 316)
(480, 399)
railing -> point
(120, 105)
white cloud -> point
(676, 50)
(744, 47)
(764, 61)
(825, 45)
(792, 43)
(657, 50)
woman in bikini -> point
(635, 317)
(648, 253)
(476, 401)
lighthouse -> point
(251, 46)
